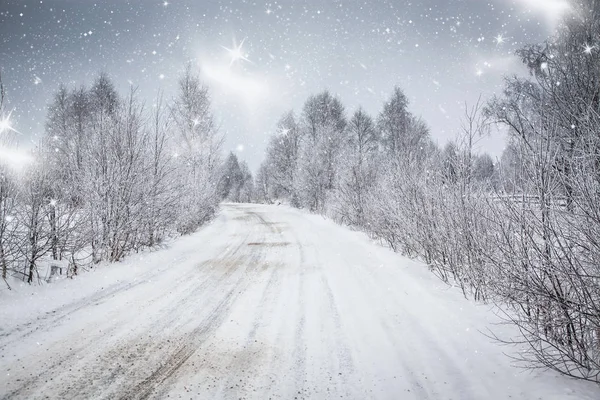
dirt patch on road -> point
(269, 244)
(233, 369)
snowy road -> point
(265, 302)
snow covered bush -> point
(109, 177)
(522, 232)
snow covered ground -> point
(264, 302)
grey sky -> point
(442, 53)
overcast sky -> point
(441, 52)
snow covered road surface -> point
(265, 302)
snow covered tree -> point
(231, 179)
(483, 168)
(324, 123)
(32, 215)
(510, 170)
(393, 122)
(198, 147)
(117, 178)
(161, 194)
(246, 192)
(8, 193)
(566, 77)
(450, 162)
(549, 253)
(262, 185)
(357, 173)
(282, 159)
(403, 135)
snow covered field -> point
(264, 302)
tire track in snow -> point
(83, 383)
(64, 360)
(246, 358)
(53, 318)
(342, 351)
(219, 313)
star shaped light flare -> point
(236, 52)
(5, 124)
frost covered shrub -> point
(109, 177)
(521, 232)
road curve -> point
(268, 303)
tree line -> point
(522, 232)
(111, 175)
